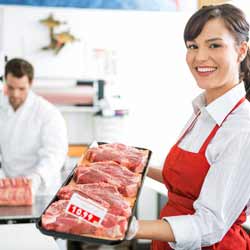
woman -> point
(207, 172)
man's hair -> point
(19, 67)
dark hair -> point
(19, 67)
(236, 23)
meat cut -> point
(102, 193)
(56, 219)
(130, 157)
(15, 192)
(110, 172)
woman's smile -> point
(204, 71)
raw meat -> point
(91, 175)
(56, 219)
(110, 172)
(103, 193)
(15, 192)
(130, 157)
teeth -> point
(205, 69)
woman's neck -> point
(213, 94)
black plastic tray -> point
(83, 238)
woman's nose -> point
(202, 54)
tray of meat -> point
(98, 199)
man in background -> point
(33, 136)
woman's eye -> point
(192, 46)
(214, 45)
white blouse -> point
(226, 189)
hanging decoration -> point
(57, 40)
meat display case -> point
(87, 238)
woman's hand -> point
(152, 230)
(133, 228)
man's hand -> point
(133, 228)
(36, 182)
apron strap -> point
(189, 127)
(209, 138)
(215, 129)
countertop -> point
(25, 236)
(24, 214)
(18, 229)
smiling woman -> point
(217, 55)
(214, 59)
(206, 172)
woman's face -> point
(214, 59)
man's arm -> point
(2, 174)
(53, 150)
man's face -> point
(17, 90)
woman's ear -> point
(243, 50)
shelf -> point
(77, 109)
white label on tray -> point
(86, 209)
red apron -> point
(183, 174)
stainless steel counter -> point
(24, 214)
(24, 234)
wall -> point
(151, 71)
(208, 2)
(169, 5)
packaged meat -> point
(109, 176)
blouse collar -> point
(221, 106)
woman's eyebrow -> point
(213, 39)
(208, 40)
